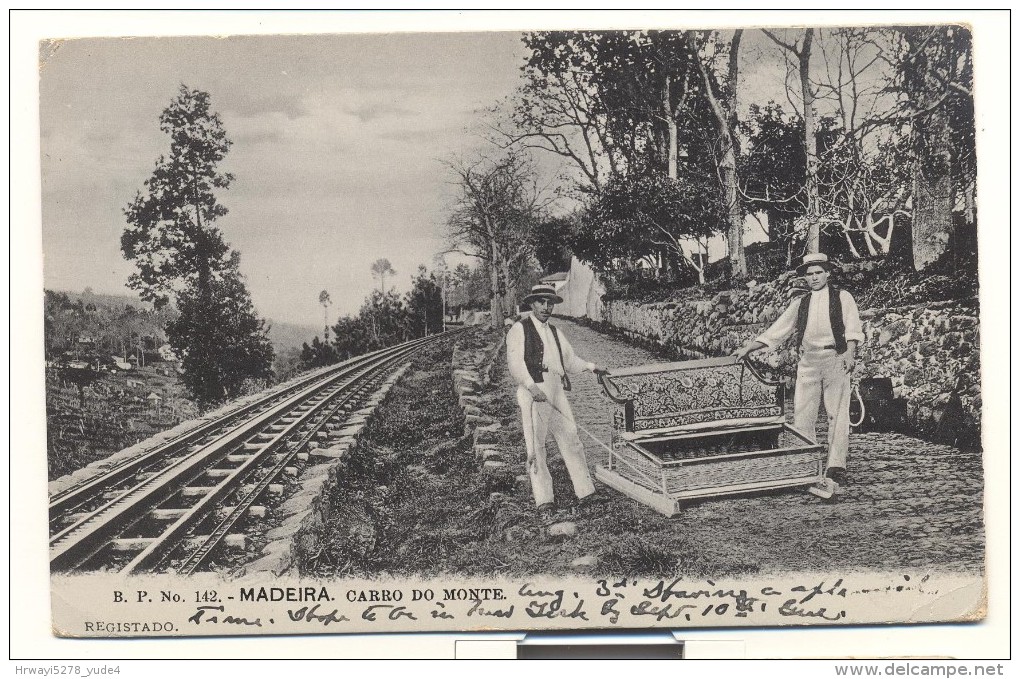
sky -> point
(338, 143)
(338, 149)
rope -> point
(594, 438)
(857, 392)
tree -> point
(180, 255)
(351, 337)
(493, 218)
(325, 301)
(723, 100)
(171, 235)
(626, 105)
(222, 342)
(935, 74)
(801, 51)
(552, 239)
(425, 304)
(772, 170)
(381, 268)
(559, 109)
(650, 217)
(317, 354)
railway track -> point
(174, 506)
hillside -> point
(291, 335)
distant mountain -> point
(291, 335)
(283, 335)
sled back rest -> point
(689, 395)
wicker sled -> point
(702, 429)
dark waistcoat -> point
(534, 349)
(835, 319)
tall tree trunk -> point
(810, 143)
(495, 301)
(725, 114)
(735, 215)
(933, 192)
(671, 132)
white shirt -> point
(550, 356)
(818, 333)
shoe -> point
(547, 513)
(825, 489)
(837, 474)
(589, 504)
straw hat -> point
(816, 259)
(542, 291)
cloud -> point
(246, 105)
(258, 136)
(369, 111)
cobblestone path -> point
(909, 503)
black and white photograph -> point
(673, 325)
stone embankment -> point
(474, 360)
(930, 351)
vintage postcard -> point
(668, 326)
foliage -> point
(181, 255)
(648, 216)
(382, 321)
(495, 214)
(468, 287)
(317, 353)
(773, 166)
(170, 234)
(381, 268)
(425, 304)
(351, 337)
(552, 239)
(222, 342)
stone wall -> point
(930, 351)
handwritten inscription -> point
(305, 614)
(216, 615)
(606, 602)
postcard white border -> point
(29, 573)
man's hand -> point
(537, 394)
(849, 361)
(749, 346)
(599, 370)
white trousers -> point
(821, 376)
(540, 419)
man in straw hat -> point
(827, 328)
(540, 358)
